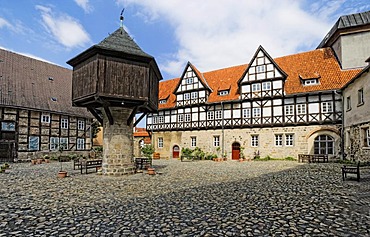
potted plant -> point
(33, 161)
(148, 151)
(62, 173)
(47, 158)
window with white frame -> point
(194, 94)
(33, 143)
(368, 137)
(163, 101)
(261, 68)
(193, 141)
(218, 114)
(189, 80)
(160, 142)
(310, 82)
(210, 115)
(266, 86)
(327, 107)
(254, 140)
(54, 143)
(223, 92)
(81, 125)
(216, 141)
(187, 96)
(187, 117)
(349, 103)
(301, 108)
(256, 87)
(289, 139)
(360, 95)
(80, 144)
(180, 118)
(8, 126)
(45, 118)
(246, 113)
(155, 119)
(256, 112)
(64, 123)
(278, 140)
(160, 119)
(289, 110)
(63, 143)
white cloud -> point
(84, 4)
(65, 29)
(215, 34)
(4, 23)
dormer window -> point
(309, 79)
(223, 92)
(163, 101)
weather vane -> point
(121, 17)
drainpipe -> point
(223, 133)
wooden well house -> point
(115, 73)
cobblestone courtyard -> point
(205, 198)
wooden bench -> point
(90, 164)
(142, 163)
(313, 158)
(351, 170)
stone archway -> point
(235, 148)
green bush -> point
(148, 150)
(290, 158)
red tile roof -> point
(141, 132)
(320, 62)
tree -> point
(148, 150)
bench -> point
(90, 164)
(351, 170)
(77, 163)
(313, 158)
(142, 163)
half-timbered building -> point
(36, 112)
(275, 107)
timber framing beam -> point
(109, 114)
(95, 113)
(140, 118)
(132, 115)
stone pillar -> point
(118, 150)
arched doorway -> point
(235, 154)
(175, 151)
(324, 145)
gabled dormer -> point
(192, 87)
(310, 79)
(262, 78)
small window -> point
(210, 115)
(180, 118)
(327, 107)
(187, 96)
(216, 141)
(310, 82)
(256, 112)
(360, 96)
(33, 143)
(289, 139)
(278, 140)
(187, 117)
(81, 125)
(7, 126)
(223, 92)
(80, 144)
(189, 80)
(218, 114)
(155, 119)
(246, 113)
(51, 79)
(162, 101)
(366, 137)
(193, 141)
(63, 143)
(254, 140)
(289, 110)
(349, 107)
(64, 123)
(194, 95)
(160, 142)
(256, 87)
(261, 68)
(161, 119)
(266, 86)
(301, 109)
(45, 118)
(54, 143)
(54, 99)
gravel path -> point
(204, 198)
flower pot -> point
(241, 160)
(62, 174)
(33, 162)
(151, 171)
(39, 161)
(47, 161)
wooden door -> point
(176, 151)
(235, 151)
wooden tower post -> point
(114, 80)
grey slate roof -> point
(32, 84)
(348, 21)
(121, 41)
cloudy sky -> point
(211, 34)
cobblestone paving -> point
(204, 198)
